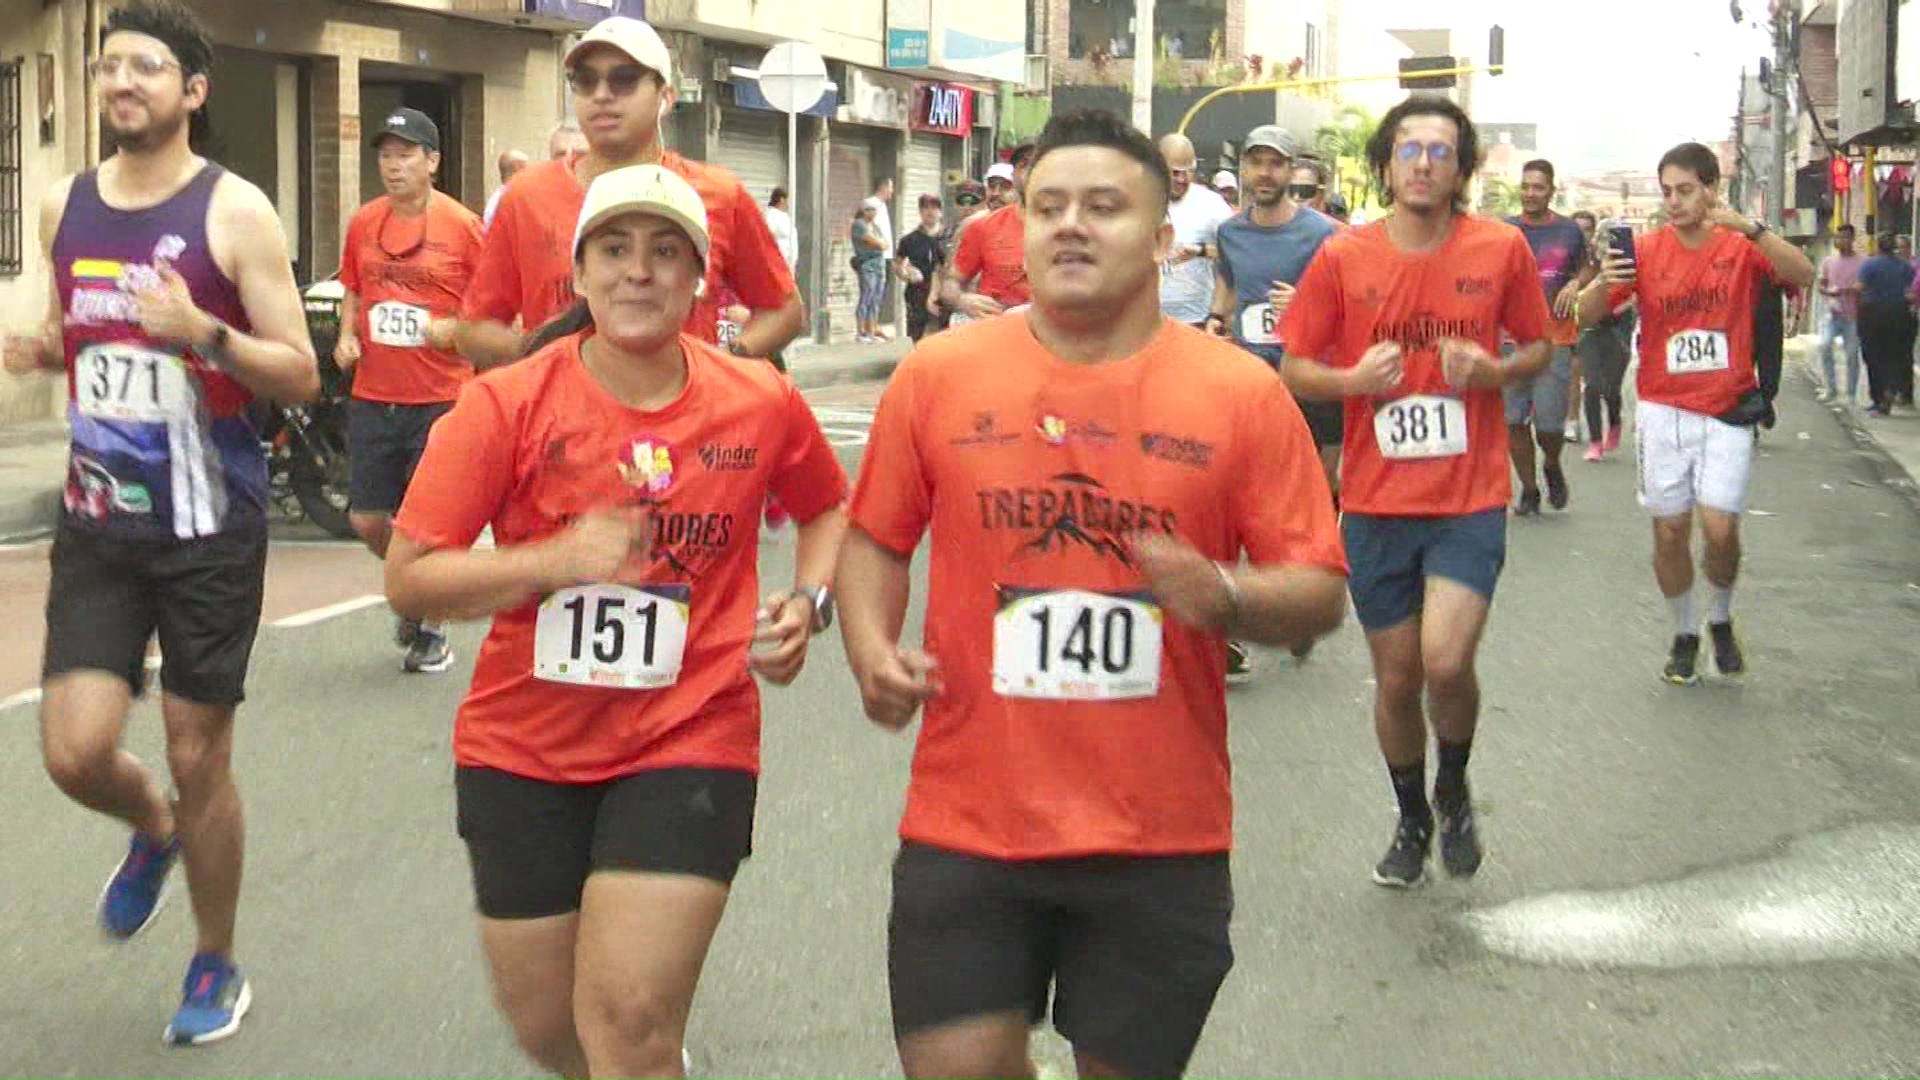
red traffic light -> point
(1839, 173)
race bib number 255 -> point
(1076, 645)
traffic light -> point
(1229, 158)
(1411, 79)
(1497, 50)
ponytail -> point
(566, 324)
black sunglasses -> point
(622, 80)
(1303, 191)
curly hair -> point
(173, 25)
(1466, 150)
(1099, 127)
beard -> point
(157, 131)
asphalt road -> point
(1717, 881)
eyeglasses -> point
(142, 65)
(1438, 153)
(1303, 191)
(622, 80)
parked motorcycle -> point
(307, 463)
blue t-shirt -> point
(1884, 279)
(1559, 249)
(1254, 257)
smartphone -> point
(1620, 240)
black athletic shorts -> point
(110, 595)
(384, 443)
(1134, 949)
(1326, 419)
(532, 843)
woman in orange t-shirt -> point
(608, 751)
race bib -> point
(1690, 352)
(124, 381)
(630, 638)
(1257, 322)
(1075, 645)
(1421, 426)
(398, 325)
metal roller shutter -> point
(754, 145)
(925, 174)
(849, 179)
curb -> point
(878, 369)
(1886, 468)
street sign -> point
(793, 76)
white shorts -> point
(1689, 459)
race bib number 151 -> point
(612, 635)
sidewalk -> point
(33, 455)
(1893, 441)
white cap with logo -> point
(643, 189)
(1225, 179)
(1000, 170)
(637, 39)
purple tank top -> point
(164, 444)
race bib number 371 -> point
(612, 635)
(1075, 645)
(130, 382)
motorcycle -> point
(307, 464)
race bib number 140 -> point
(1075, 645)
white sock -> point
(1719, 603)
(1684, 620)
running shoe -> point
(1595, 453)
(1727, 656)
(1459, 842)
(430, 652)
(405, 630)
(1406, 861)
(1557, 493)
(1571, 432)
(1529, 503)
(1239, 664)
(1825, 396)
(215, 997)
(1613, 438)
(1682, 666)
(134, 892)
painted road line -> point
(331, 611)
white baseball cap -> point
(637, 39)
(643, 189)
(1223, 178)
(1000, 170)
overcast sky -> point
(1612, 83)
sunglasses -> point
(143, 65)
(1303, 191)
(622, 80)
(1438, 153)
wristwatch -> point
(1759, 229)
(216, 349)
(736, 348)
(822, 598)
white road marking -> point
(24, 697)
(331, 611)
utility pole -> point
(1786, 22)
(1143, 53)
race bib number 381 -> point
(1075, 645)
(612, 635)
(1421, 426)
(1690, 352)
(130, 382)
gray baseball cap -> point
(1273, 137)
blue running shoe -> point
(133, 894)
(215, 998)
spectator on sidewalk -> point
(1886, 323)
(780, 224)
(870, 264)
(1840, 286)
(918, 261)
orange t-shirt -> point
(1361, 290)
(531, 446)
(1696, 318)
(995, 249)
(405, 272)
(526, 261)
(1032, 474)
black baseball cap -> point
(412, 125)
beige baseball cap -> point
(643, 189)
(631, 36)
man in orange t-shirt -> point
(989, 270)
(1090, 475)
(1696, 282)
(1401, 319)
(407, 260)
(621, 76)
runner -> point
(1400, 318)
(173, 305)
(988, 274)
(1695, 281)
(1228, 186)
(621, 76)
(1263, 251)
(917, 261)
(1187, 275)
(407, 259)
(1083, 470)
(1537, 408)
(606, 754)
(1309, 185)
(1001, 187)
(1601, 357)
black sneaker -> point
(1726, 649)
(1557, 492)
(1681, 666)
(1239, 664)
(430, 652)
(1406, 861)
(1459, 842)
(1529, 503)
(405, 630)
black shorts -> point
(1326, 419)
(533, 843)
(1134, 948)
(384, 443)
(109, 596)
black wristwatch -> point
(736, 348)
(822, 598)
(1759, 230)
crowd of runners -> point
(1162, 418)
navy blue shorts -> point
(1391, 558)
